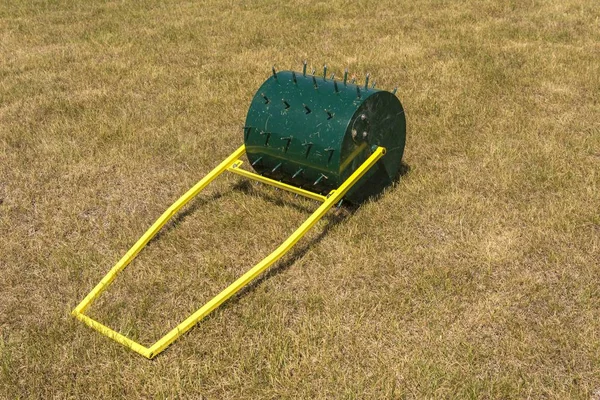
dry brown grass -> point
(476, 276)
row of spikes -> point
(286, 106)
(332, 77)
(300, 171)
(288, 139)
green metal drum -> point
(313, 132)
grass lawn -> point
(477, 275)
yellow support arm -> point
(231, 164)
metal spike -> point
(308, 147)
(294, 78)
(329, 114)
(274, 73)
(267, 101)
(306, 108)
(276, 167)
(315, 81)
(324, 72)
(395, 90)
(286, 104)
(297, 173)
(256, 161)
(353, 81)
(268, 134)
(330, 151)
(332, 77)
(345, 76)
(367, 82)
(357, 92)
(289, 140)
(335, 87)
(320, 179)
(304, 68)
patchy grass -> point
(475, 276)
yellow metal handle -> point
(334, 197)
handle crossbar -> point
(231, 164)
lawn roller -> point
(320, 137)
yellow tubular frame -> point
(231, 164)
